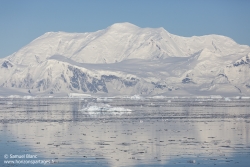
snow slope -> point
(126, 59)
(119, 42)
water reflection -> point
(155, 133)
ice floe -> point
(104, 109)
(104, 99)
(227, 99)
(136, 97)
(78, 95)
(28, 97)
(158, 97)
(14, 96)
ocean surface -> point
(116, 132)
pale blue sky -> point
(23, 21)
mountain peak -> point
(123, 26)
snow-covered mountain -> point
(124, 59)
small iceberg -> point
(28, 97)
(105, 99)
(104, 109)
(14, 96)
(227, 99)
(158, 97)
(78, 95)
(136, 97)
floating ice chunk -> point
(159, 97)
(245, 97)
(14, 96)
(105, 99)
(78, 95)
(227, 99)
(45, 97)
(104, 109)
(202, 97)
(169, 101)
(215, 96)
(28, 97)
(136, 97)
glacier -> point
(127, 60)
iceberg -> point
(104, 109)
(78, 95)
(216, 97)
(227, 99)
(136, 97)
(14, 96)
(28, 97)
(245, 97)
(105, 99)
(158, 97)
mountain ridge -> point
(108, 47)
(103, 62)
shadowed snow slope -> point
(127, 59)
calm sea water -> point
(156, 132)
